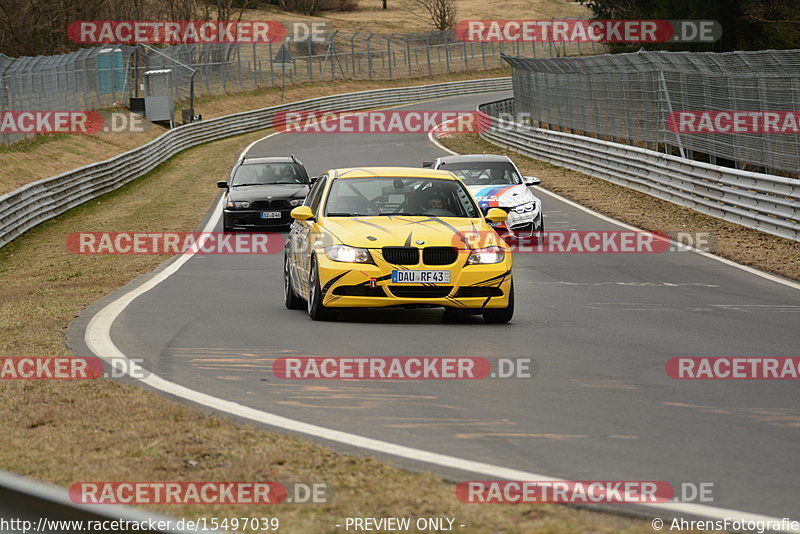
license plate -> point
(270, 215)
(420, 277)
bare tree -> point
(442, 13)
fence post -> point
(428, 52)
(353, 55)
(447, 51)
(663, 87)
(408, 54)
(309, 54)
(369, 56)
(389, 52)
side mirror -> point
(531, 180)
(496, 215)
(222, 185)
(302, 213)
(427, 164)
(313, 179)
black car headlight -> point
(296, 202)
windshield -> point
(380, 196)
(484, 172)
(268, 173)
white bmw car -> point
(496, 182)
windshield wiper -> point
(342, 214)
(240, 185)
(398, 213)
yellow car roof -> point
(390, 172)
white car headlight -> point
(238, 205)
(296, 202)
(347, 254)
(525, 208)
(486, 255)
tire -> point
(501, 315)
(316, 310)
(290, 299)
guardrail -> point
(763, 202)
(34, 203)
(43, 508)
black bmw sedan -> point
(261, 192)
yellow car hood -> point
(377, 232)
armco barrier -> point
(36, 507)
(764, 202)
(34, 203)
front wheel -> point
(316, 310)
(501, 315)
(290, 299)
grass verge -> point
(62, 432)
(742, 245)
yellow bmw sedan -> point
(396, 236)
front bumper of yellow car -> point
(364, 285)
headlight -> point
(347, 254)
(238, 205)
(525, 208)
(296, 202)
(486, 255)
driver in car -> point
(287, 175)
(436, 203)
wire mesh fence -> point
(105, 76)
(630, 98)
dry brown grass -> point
(103, 430)
(370, 17)
(743, 245)
(47, 155)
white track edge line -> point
(98, 339)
